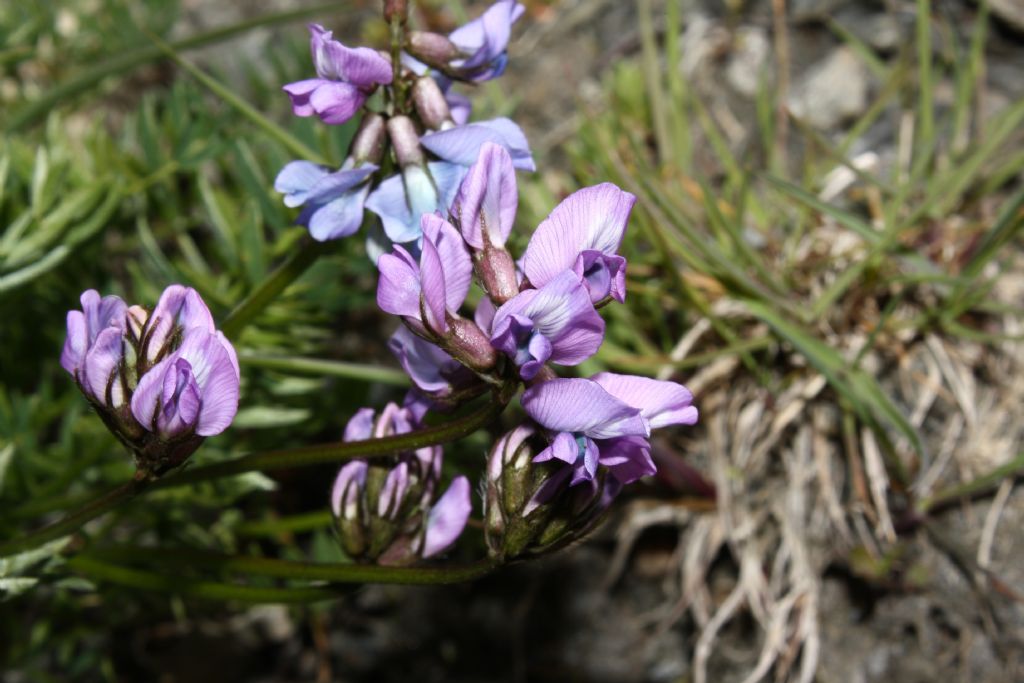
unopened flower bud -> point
(405, 141)
(431, 104)
(432, 49)
(368, 143)
(468, 344)
(385, 509)
(497, 272)
(530, 507)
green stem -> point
(75, 520)
(291, 524)
(268, 290)
(972, 488)
(337, 452)
(287, 569)
(132, 59)
(175, 584)
(321, 368)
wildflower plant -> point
(443, 190)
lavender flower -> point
(606, 420)
(555, 323)
(345, 78)
(333, 201)
(194, 390)
(161, 381)
(474, 52)
(402, 200)
(428, 293)
(583, 234)
(385, 511)
(462, 144)
(437, 376)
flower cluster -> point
(413, 125)
(161, 380)
(388, 511)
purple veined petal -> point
(85, 326)
(179, 399)
(561, 312)
(340, 217)
(461, 145)
(389, 202)
(592, 218)
(359, 66)
(661, 403)
(583, 407)
(359, 426)
(398, 289)
(421, 360)
(102, 360)
(146, 398)
(417, 405)
(602, 274)
(297, 180)
(179, 306)
(456, 263)
(216, 374)
(488, 198)
(447, 518)
(392, 494)
(299, 92)
(459, 107)
(433, 284)
(347, 485)
(385, 424)
(628, 458)
(335, 103)
(539, 350)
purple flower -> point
(485, 206)
(462, 144)
(583, 234)
(86, 325)
(430, 292)
(345, 78)
(555, 323)
(179, 310)
(194, 390)
(402, 200)
(484, 41)
(333, 201)
(606, 420)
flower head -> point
(345, 78)
(386, 511)
(606, 420)
(555, 323)
(333, 201)
(583, 234)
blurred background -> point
(826, 250)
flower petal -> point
(344, 494)
(661, 403)
(217, 377)
(592, 218)
(461, 144)
(628, 458)
(360, 66)
(421, 360)
(447, 518)
(335, 102)
(432, 282)
(299, 92)
(584, 407)
(488, 197)
(101, 362)
(398, 289)
(340, 217)
(297, 179)
(456, 263)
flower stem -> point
(210, 590)
(337, 452)
(297, 570)
(274, 284)
(75, 520)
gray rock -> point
(751, 60)
(833, 91)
